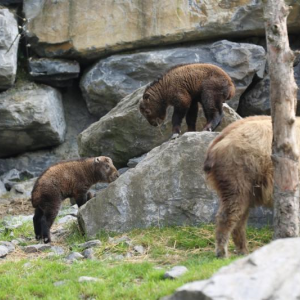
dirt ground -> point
(21, 206)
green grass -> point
(139, 277)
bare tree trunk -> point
(283, 95)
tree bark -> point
(283, 95)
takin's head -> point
(152, 108)
(105, 170)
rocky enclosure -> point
(75, 90)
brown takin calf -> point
(239, 167)
(66, 179)
(184, 87)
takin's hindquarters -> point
(238, 166)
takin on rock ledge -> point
(183, 87)
(238, 166)
(63, 180)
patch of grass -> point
(138, 277)
(24, 231)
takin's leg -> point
(177, 117)
(50, 210)
(239, 234)
(230, 212)
(191, 116)
(37, 223)
(212, 104)
(82, 198)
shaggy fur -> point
(63, 180)
(184, 87)
(239, 167)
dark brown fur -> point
(184, 87)
(238, 166)
(63, 180)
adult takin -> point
(183, 87)
(238, 166)
(66, 179)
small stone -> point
(118, 257)
(73, 210)
(36, 248)
(88, 253)
(58, 250)
(175, 272)
(66, 219)
(61, 282)
(3, 251)
(10, 246)
(74, 256)
(122, 239)
(128, 255)
(18, 241)
(90, 244)
(27, 265)
(139, 249)
(88, 279)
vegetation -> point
(139, 276)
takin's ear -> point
(97, 160)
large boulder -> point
(271, 272)
(31, 117)
(113, 78)
(96, 28)
(124, 133)
(77, 119)
(167, 187)
(256, 101)
(9, 41)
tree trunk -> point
(283, 95)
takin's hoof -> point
(38, 237)
(47, 240)
(221, 253)
(241, 251)
(174, 136)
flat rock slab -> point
(176, 272)
(36, 248)
(74, 256)
(271, 272)
(90, 244)
(9, 245)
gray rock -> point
(90, 244)
(61, 282)
(9, 41)
(272, 273)
(32, 117)
(58, 250)
(36, 248)
(53, 71)
(256, 101)
(164, 189)
(2, 189)
(18, 241)
(139, 249)
(22, 189)
(9, 245)
(176, 272)
(65, 211)
(124, 133)
(74, 256)
(102, 91)
(88, 253)
(77, 118)
(123, 239)
(67, 219)
(134, 161)
(13, 176)
(3, 251)
(12, 222)
(88, 279)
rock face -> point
(9, 42)
(124, 133)
(164, 189)
(113, 78)
(269, 273)
(77, 119)
(55, 72)
(96, 28)
(31, 117)
(256, 101)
